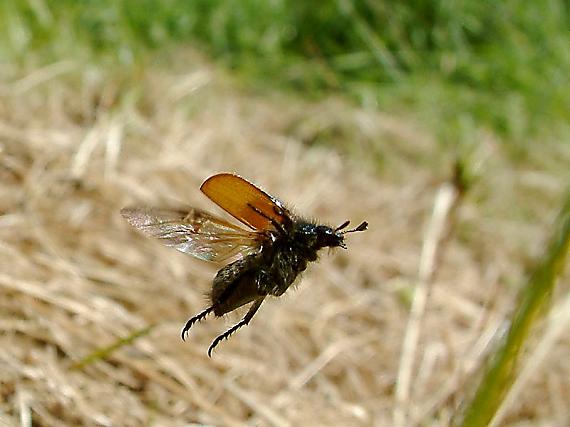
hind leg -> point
(195, 319)
(252, 310)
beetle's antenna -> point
(343, 225)
(361, 227)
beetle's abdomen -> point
(235, 285)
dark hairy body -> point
(271, 271)
(271, 254)
(284, 253)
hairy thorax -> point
(290, 257)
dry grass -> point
(76, 146)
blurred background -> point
(443, 124)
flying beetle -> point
(266, 258)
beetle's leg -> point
(252, 310)
(195, 319)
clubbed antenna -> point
(361, 227)
(343, 225)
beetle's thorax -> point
(310, 237)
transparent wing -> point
(195, 232)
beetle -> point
(267, 258)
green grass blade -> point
(104, 352)
(533, 304)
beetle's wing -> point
(245, 201)
(195, 232)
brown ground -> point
(76, 146)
